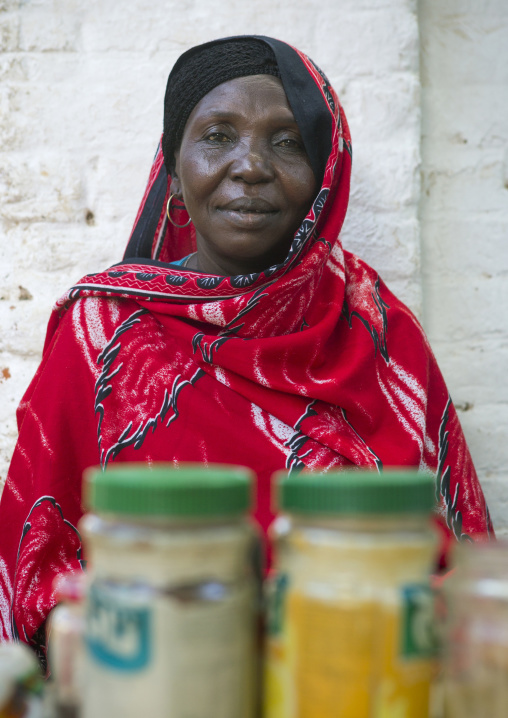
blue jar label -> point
(118, 627)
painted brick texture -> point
(464, 221)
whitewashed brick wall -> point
(81, 90)
(464, 221)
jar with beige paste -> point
(171, 608)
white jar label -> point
(185, 651)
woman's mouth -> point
(248, 219)
(253, 205)
(248, 212)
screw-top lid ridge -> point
(164, 490)
(356, 492)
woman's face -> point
(244, 176)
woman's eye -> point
(290, 143)
(217, 137)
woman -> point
(236, 329)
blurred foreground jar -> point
(350, 609)
(170, 616)
(65, 632)
(21, 682)
(476, 640)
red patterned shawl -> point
(310, 363)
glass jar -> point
(65, 631)
(476, 634)
(350, 627)
(171, 609)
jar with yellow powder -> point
(350, 625)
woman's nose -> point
(252, 162)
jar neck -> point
(480, 568)
(169, 522)
(373, 523)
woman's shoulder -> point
(83, 327)
(366, 289)
(370, 305)
(90, 318)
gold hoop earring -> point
(168, 212)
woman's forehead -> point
(239, 97)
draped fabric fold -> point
(310, 363)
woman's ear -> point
(175, 187)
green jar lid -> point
(356, 492)
(164, 490)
